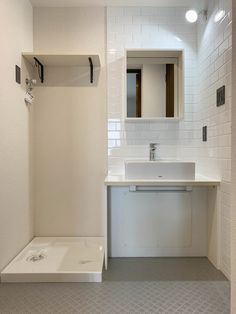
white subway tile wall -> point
(233, 186)
(208, 54)
(215, 70)
(148, 27)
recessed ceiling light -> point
(219, 15)
(191, 16)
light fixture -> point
(219, 15)
(178, 39)
(191, 16)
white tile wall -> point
(158, 28)
(214, 70)
(208, 57)
(233, 187)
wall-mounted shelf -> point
(61, 60)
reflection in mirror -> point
(152, 85)
(134, 93)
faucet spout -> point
(152, 151)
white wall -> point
(70, 126)
(214, 156)
(16, 223)
(153, 90)
(233, 187)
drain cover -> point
(36, 257)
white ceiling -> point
(159, 3)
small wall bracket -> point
(40, 68)
(91, 69)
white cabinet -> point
(157, 223)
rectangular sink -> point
(160, 170)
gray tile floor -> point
(145, 286)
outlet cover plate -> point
(204, 133)
(18, 74)
(220, 101)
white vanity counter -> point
(120, 180)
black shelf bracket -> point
(40, 68)
(91, 69)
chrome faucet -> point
(152, 151)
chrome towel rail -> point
(135, 188)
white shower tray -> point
(58, 259)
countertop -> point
(120, 180)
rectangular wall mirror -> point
(154, 84)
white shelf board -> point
(62, 59)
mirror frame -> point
(158, 53)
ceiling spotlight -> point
(219, 16)
(191, 16)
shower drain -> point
(36, 257)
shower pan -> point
(58, 259)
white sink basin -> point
(160, 170)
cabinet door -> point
(156, 224)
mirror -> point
(154, 84)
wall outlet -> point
(220, 98)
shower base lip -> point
(56, 277)
(66, 259)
